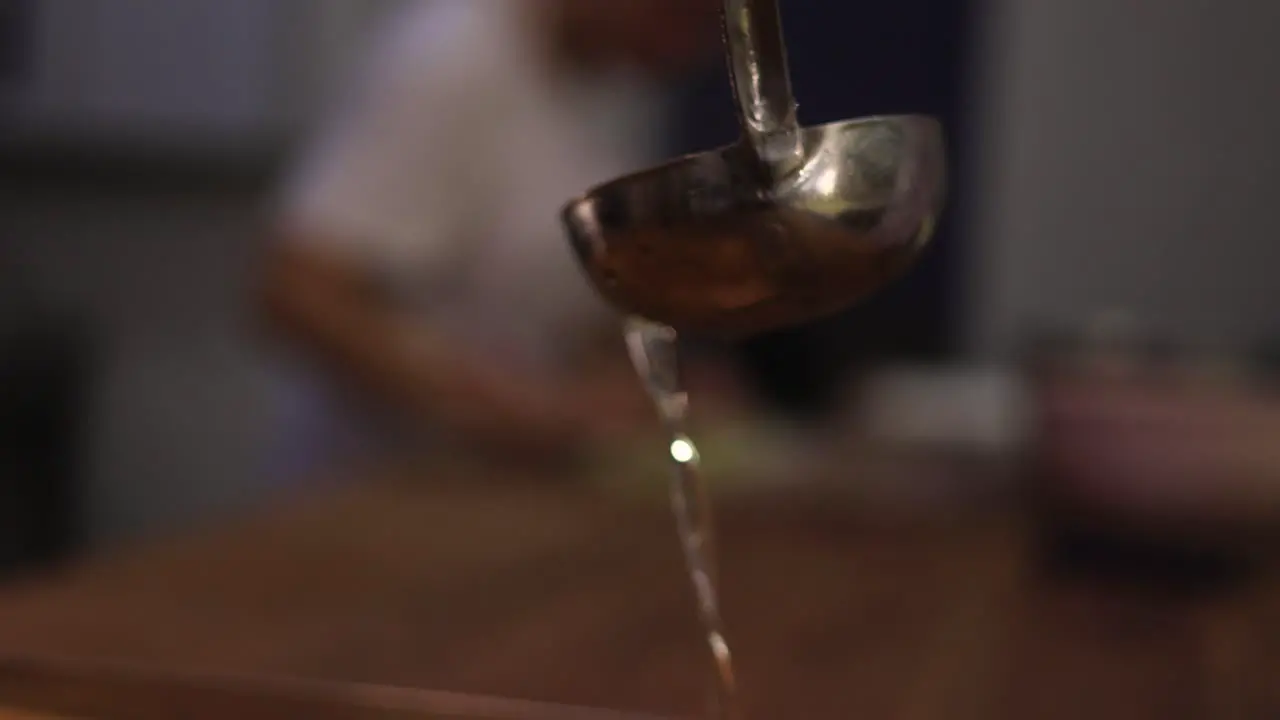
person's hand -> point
(537, 424)
(611, 407)
(521, 422)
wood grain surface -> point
(469, 582)
(25, 715)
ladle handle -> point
(757, 58)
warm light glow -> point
(683, 451)
(829, 181)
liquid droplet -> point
(654, 353)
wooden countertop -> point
(468, 582)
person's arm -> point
(329, 308)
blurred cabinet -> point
(15, 34)
(1129, 165)
(188, 71)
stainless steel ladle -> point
(785, 226)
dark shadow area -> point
(47, 368)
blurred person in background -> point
(418, 261)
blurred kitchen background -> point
(1116, 173)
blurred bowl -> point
(1166, 455)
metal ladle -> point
(785, 226)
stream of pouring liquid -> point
(654, 353)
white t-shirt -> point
(445, 173)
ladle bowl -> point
(786, 226)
